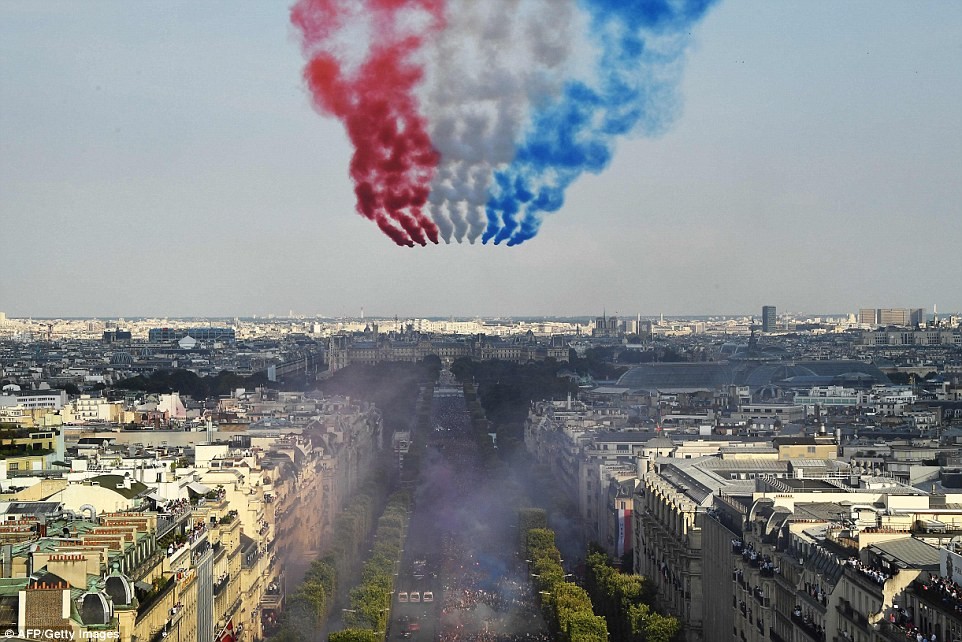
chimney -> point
(6, 560)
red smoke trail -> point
(394, 160)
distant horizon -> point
(443, 317)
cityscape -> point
(803, 468)
(480, 321)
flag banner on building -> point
(623, 544)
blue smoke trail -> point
(576, 133)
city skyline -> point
(166, 161)
(585, 317)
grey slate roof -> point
(908, 552)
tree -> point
(651, 625)
(356, 635)
(625, 600)
(71, 389)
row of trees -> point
(626, 602)
(392, 386)
(189, 383)
(481, 427)
(567, 607)
(506, 390)
(394, 389)
(307, 609)
(615, 603)
(371, 599)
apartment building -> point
(831, 559)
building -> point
(892, 316)
(371, 347)
(769, 318)
(203, 335)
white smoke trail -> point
(494, 60)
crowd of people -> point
(174, 507)
(485, 596)
(191, 536)
(871, 572)
(945, 589)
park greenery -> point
(504, 390)
(189, 383)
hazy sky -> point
(162, 158)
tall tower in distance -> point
(768, 318)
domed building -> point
(95, 608)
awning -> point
(197, 488)
(153, 495)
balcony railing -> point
(819, 601)
(846, 610)
(221, 584)
(148, 600)
(810, 628)
(775, 637)
(931, 594)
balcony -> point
(868, 582)
(895, 633)
(271, 600)
(775, 637)
(819, 602)
(811, 629)
(931, 594)
(221, 583)
(167, 522)
(760, 598)
(156, 593)
(845, 610)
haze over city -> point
(165, 160)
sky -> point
(164, 159)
